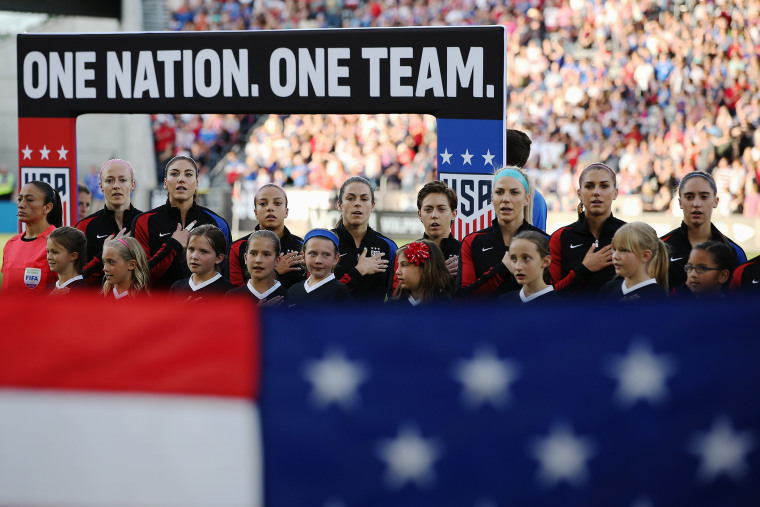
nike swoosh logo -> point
(576, 246)
(103, 236)
(162, 234)
(487, 249)
(676, 259)
(755, 281)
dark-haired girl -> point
(697, 197)
(529, 261)
(66, 249)
(25, 266)
(164, 231)
(709, 268)
(271, 208)
(206, 248)
(582, 252)
(364, 253)
(262, 257)
(422, 274)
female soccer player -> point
(641, 260)
(66, 248)
(483, 266)
(262, 258)
(364, 253)
(320, 251)
(581, 252)
(422, 274)
(271, 206)
(708, 270)
(697, 197)
(25, 266)
(164, 231)
(529, 261)
(117, 181)
(205, 252)
(437, 208)
(125, 267)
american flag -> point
(458, 405)
(485, 406)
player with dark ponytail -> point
(697, 196)
(25, 266)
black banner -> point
(449, 72)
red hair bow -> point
(417, 253)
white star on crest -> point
(62, 153)
(409, 458)
(27, 152)
(722, 450)
(488, 157)
(486, 378)
(641, 374)
(335, 380)
(467, 157)
(44, 152)
(446, 156)
(562, 456)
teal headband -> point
(513, 173)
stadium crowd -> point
(653, 89)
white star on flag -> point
(562, 456)
(335, 380)
(446, 156)
(467, 157)
(62, 153)
(642, 502)
(640, 374)
(409, 458)
(44, 152)
(27, 152)
(488, 157)
(722, 450)
(486, 378)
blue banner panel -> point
(470, 146)
(487, 405)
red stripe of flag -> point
(149, 344)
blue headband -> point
(513, 173)
(322, 233)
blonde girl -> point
(125, 267)
(641, 260)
